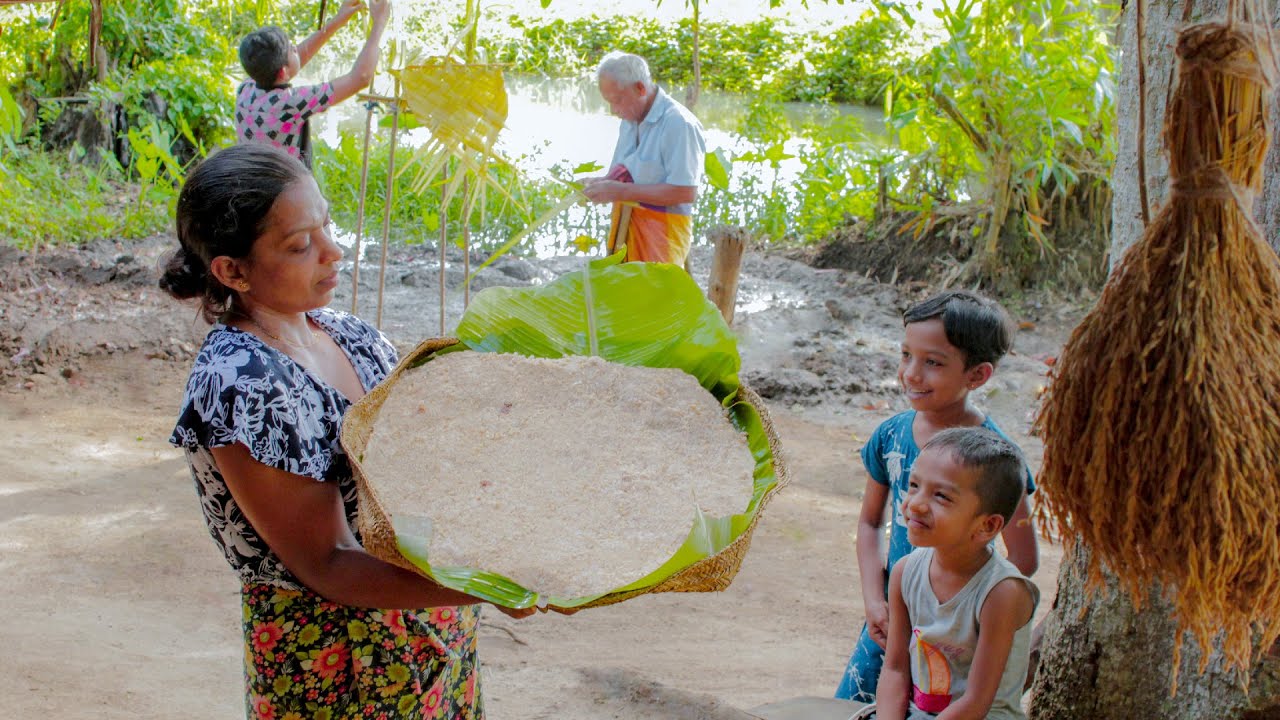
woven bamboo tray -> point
(709, 574)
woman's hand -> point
(348, 8)
(380, 10)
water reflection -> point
(557, 124)
(564, 122)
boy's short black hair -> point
(263, 53)
(998, 462)
(978, 326)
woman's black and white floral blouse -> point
(242, 390)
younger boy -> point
(959, 614)
(952, 344)
(269, 110)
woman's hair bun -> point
(184, 275)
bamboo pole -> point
(722, 285)
(473, 15)
(364, 186)
(466, 243)
(444, 239)
(390, 197)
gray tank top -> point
(945, 635)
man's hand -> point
(348, 8)
(603, 190)
(878, 623)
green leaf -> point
(903, 119)
(587, 167)
(10, 118)
(431, 220)
(717, 166)
(408, 121)
(646, 314)
(1072, 129)
(776, 153)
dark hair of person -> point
(222, 210)
(998, 462)
(978, 326)
(262, 53)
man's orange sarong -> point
(650, 233)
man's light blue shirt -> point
(666, 147)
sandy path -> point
(118, 605)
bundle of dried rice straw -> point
(1161, 429)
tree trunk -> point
(1102, 659)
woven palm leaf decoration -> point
(464, 106)
(1161, 428)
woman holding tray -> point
(260, 424)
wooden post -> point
(722, 286)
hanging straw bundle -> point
(1161, 430)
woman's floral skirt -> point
(309, 659)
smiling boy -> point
(960, 628)
(952, 343)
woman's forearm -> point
(351, 576)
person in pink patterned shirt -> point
(269, 109)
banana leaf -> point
(645, 314)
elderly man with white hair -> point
(656, 168)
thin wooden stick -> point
(444, 238)
(369, 107)
(390, 198)
(466, 243)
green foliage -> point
(10, 122)
(49, 199)
(851, 64)
(415, 217)
(158, 172)
(762, 57)
(168, 59)
(1012, 109)
(841, 177)
(175, 92)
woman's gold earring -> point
(244, 287)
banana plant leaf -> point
(645, 314)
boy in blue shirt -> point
(952, 344)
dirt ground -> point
(120, 606)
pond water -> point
(564, 123)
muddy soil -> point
(119, 606)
